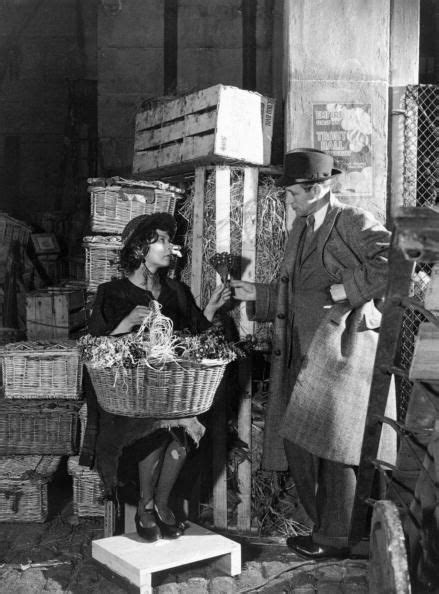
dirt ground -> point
(55, 557)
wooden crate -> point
(13, 230)
(55, 312)
(217, 124)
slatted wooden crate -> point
(55, 313)
(43, 370)
(217, 124)
(38, 427)
(13, 230)
(88, 491)
(101, 259)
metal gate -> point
(420, 105)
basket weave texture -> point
(101, 260)
(88, 490)
(41, 370)
(23, 501)
(180, 389)
(112, 207)
(39, 427)
(23, 487)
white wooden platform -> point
(136, 560)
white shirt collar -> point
(319, 216)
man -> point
(324, 342)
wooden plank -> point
(191, 125)
(404, 42)
(174, 155)
(248, 253)
(109, 518)
(171, 110)
(400, 273)
(197, 234)
(248, 249)
(222, 221)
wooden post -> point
(219, 437)
(248, 252)
(197, 235)
(109, 518)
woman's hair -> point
(139, 234)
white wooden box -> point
(217, 124)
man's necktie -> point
(308, 235)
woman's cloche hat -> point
(303, 165)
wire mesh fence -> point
(420, 188)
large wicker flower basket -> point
(43, 370)
(177, 389)
(88, 490)
(112, 207)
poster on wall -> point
(345, 130)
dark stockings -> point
(157, 475)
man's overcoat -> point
(353, 248)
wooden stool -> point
(136, 560)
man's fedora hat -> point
(303, 165)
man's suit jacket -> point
(353, 248)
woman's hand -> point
(243, 290)
(134, 318)
(219, 297)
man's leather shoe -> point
(307, 548)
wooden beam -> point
(197, 234)
(249, 211)
(219, 438)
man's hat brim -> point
(291, 181)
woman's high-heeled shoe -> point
(146, 525)
(168, 530)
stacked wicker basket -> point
(113, 203)
(38, 422)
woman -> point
(160, 446)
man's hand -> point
(338, 293)
(243, 290)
